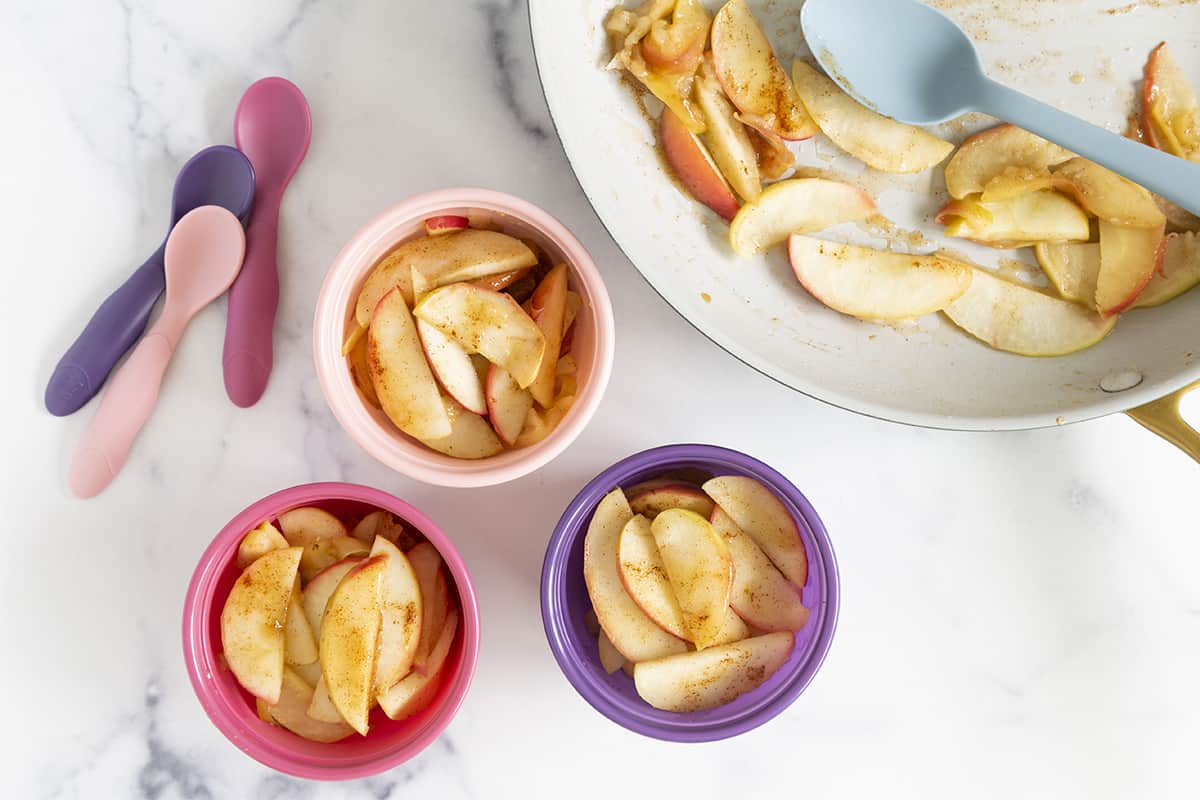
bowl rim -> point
(201, 664)
(412, 459)
(572, 525)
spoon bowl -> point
(910, 62)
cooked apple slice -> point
(400, 631)
(645, 577)
(305, 525)
(1128, 258)
(694, 167)
(764, 518)
(350, 641)
(291, 712)
(874, 284)
(466, 256)
(311, 673)
(1107, 195)
(1016, 181)
(378, 523)
(676, 46)
(548, 307)
(446, 223)
(321, 707)
(502, 280)
(1041, 216)
(760, 594)
(392, 273)
(989, 153)
(427, 566)
(712, 677)
(752, 76)
(631, 631)
(258, 542)
(801, 205)
(451, 365)
(508, 404)
(700, 570)
(490, 323)
(253, 621)
(359, 361)
(1018, 319)
(471, 437)
(771, 151)
(407, 390)
(652, 501)
(876, 140)
(300, 645)
(1072, 268)
(415, 692)
(1180, 271)
(320, 588)
(673, 86)
(610, 658)
(1170, 110)
(727, 139)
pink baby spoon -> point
(203, 255)
(272, 127)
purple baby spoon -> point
(217, 175)
(273, 127)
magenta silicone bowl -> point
(565, 604)
(232, 709)
(592, 345)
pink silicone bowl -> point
(231, 708)
(592, 348)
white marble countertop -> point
(1021, 615)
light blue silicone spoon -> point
(909, 62)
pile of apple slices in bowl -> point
(325, 623)
(696, 590)
(463, 339)
(1104, 244)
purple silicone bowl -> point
(565, 603)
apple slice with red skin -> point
(446, 223)
(631, 631)
(700, 570)
(403, 381)
(799, 205)
(415, 692)
(752, 76)
(253, 618)
(451, 365)
(1107, 195)
(303, 526)
(548, 307)
(876, 140)
(1128, 259)
(760, 594)
(645, 577)
(988, 153)
(709, 678)
(762, 516)
(875, 284)
(402, 614)
(427, 566)
(258, 542)
(676, 46)
(490, 323)
(1180, 271)
(508, 404)
(652, 501)
(350, 641)
(1170, 109)
(693, 167)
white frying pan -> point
(1085, 56)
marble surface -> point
(1020, 617)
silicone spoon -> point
(908, 61)
(203, 255)
(218, 176)
(273, 127)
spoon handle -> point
(253, 300)
(111, 331)
(124, 408)
(1176, 179)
